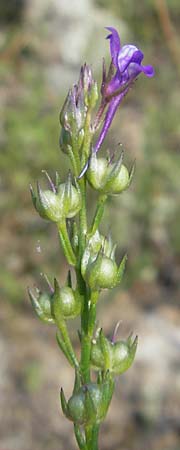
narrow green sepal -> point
(42, 306)
(121, 269)
(35, 303)
(55, 301)
(105, 348)
(89, 404)
(107, 392)
(33, 196)
(130, 339)
(131, 174)
(116, 168)
(63, 348)
(64, 405)
(93, 95)
(68, 186)
(112, 253)
(40, 193)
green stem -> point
(80, 438)
(98, 213)
(88, 433)
(66, 244)
(92, 433)
(75, 161)
(87, 338)
(94, 437)
(85, 370)
(83, 218)
(85, 358)
(85, 344)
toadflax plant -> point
(89, 254)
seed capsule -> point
(90, 403)
(98, 265)
(116, 357)
(42, 305)
(108, 177)
(57, 206)
(66, 303)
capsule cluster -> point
(90, 253)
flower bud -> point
(89, 86)
(116, 357)
(108, 177)
(42, 305)
(64, 202)
(66, 303)
(73, 113)
(89, 405)
(72, 119)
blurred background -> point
(43, 43)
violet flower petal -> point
(126, 54)
(148, 70)
(127, 60)
(115, 45)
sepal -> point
(64, 405)
(41, 303)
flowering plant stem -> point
(89, 254)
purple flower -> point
(126, 60)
